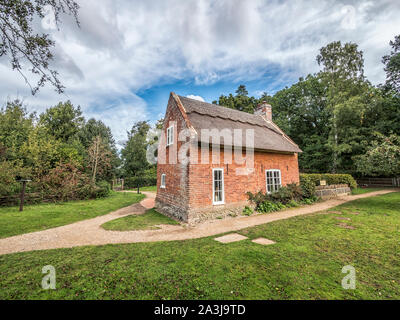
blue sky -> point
(157, 96)
(127, 55)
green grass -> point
(148, 220)
(364, 190)
(151, 188)
(305, 263)
(44, 216)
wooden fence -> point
(379, 182)
(30, 198)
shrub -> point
(9, 173)
(66, 182)
(307, 185)
(268, 206)
(292, 204)
(102, 190)
(247, 211)
(286, 197)
(330, 179)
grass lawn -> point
(148, 220)
(151, 188)
(305, 263)
(364, 190)
(44, 216)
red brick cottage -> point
(209, 157)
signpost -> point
(22, 196)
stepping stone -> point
(345, 226)
(342, 218)
(233, 237)
(263, 241)
(356, 213)
(335, 212)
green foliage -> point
(285, 197)
(382, 157)
(16, 125)
(307, 185)
(140, 181)
(392, 65)
(247, 211)
(54, 151)
(64, 121)
(134, 151)
(10, 171)
(240, 101)
(330, 179)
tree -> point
(239, 102)
(134, 151)
(63, 121)
(343, 71)
(89, 132)
(301, 112)
(241, 91)
(15, 128)
(392, 65)
(382, 157)
(20, 42)
(99, 157)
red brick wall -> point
(176, 191)
(236, 186)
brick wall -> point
(235, 186)
(173, 199)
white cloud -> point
(124, 46)
(199, 98)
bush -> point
(268, 206)
(66, 182)
(102, 190)
(286, 197)
(307, 185)
(247, 211)
(9, 171)
(330, 179)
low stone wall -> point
(172, 211)
(216, 212)
(331, 191)
(198, 215)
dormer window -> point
(170, 136)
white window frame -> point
(170, 135)
(163, 183)
(213, 186)
(274, 187)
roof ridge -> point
(224, 108)
(218, 106)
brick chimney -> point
(264, 109)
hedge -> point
(142, 181)
(306, 178)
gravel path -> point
(89, 232)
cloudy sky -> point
(126, 57)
